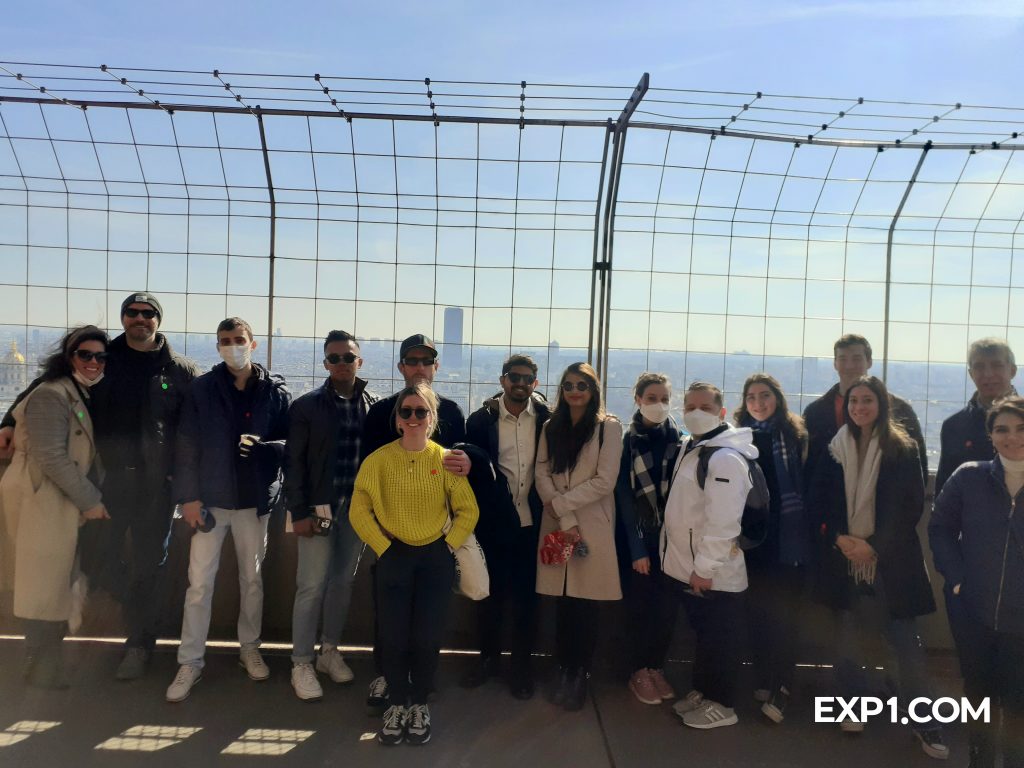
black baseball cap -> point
(143, 297)
(414, 341)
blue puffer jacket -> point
(207, 441)
(977, 537)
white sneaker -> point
(304, 681)
(252, 661)
(188, 675)
(710, 714)
(688, 703)
(331, 662)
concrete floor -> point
(102, 722)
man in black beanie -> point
(135, 412)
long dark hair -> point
(57, 364)
(892, 437)
(565, 440)
(791, 425)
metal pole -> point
(273, 238)
(888, 262)
(597, 236)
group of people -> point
(741, 521)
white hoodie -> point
(701, 526)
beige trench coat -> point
(40, 523)
(584, 497)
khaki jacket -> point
(584, 497)
(39, 521)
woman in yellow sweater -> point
(400, 508)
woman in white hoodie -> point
(699, 549)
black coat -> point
(963, 438)
(820, 420)
(379, 429)
(499, 519)
(899, 503)
(312, 450)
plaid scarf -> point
(641, 462)
(789, 477)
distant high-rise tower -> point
(452, 337)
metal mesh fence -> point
(708, 235)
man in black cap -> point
(417, 362)
(135, 412)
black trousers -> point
(992, 664)
(774, 606)
(576, 626)
(147, 512)
(718, 619)
(652, 607)
(513, 573)
(414, 590)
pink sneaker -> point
(661, 685)
(643, 688)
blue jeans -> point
(867, 619)
(323, 584)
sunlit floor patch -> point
(148, 738)
(21, 730)
(266, 741)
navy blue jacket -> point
(207, 443)
(963, 438)
(977, 538)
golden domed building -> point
(13, 376)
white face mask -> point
(700, 422)
(84, 381)
(654, 412)
(237, 357)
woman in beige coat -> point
(577, 467)
(48, 492)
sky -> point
(945, 50)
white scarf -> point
(860, 483)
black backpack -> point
(754, 524)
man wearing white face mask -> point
(228, 476)
(649, 449)
(699, 549)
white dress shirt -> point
(516, 452)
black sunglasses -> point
(579, 386)
(87, 356)
(149, 314)
(412, 362)
(334, 358)
(517, 378)
(406, 413)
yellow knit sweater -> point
(403, 492)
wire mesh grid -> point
(749, 230)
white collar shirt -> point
(517, 449)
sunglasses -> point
(86, 356)
(406, 413)
(149, 314)
(520, 378)
(412, 362)
(579, 386)
(348, 358)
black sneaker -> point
(377, 700)
(775, 708)
(392, 731)
(417, 724)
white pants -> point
(249, 532)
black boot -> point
(47, 668)
(579, 687)
(560, 688)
